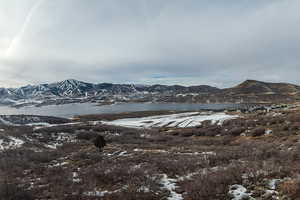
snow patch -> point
(118, 153)
(272, 183)
(268, 132)
(13, 143)
(239, 192)
(150, 150)
(97, 193)
(170, 185)
(76, 178)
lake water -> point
(69, 110)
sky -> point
(190, 42)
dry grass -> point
(205, 160)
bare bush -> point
(212, 185)
(257, 132)
(9, 191)
(99, 142)
(236, 131)
(291, 188)
(86, 135)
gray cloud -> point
(140, 41)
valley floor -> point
(191, 156)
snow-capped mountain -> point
(74, 91)
(77, 89)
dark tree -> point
(100, 142)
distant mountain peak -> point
(250, 82)
(71, 82)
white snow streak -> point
(170, 185)
(239, 192)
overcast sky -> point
(186, 42)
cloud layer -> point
(140, 41)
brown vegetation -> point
(205, 161)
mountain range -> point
(72, 91)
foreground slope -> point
(254, 156)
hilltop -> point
(259, 87)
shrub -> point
(12, 192)
(160, 139)
(201, 132)
(86, 135)
(291, 188)
(208, 131)
(212, 185)
(213, 130)
(187, 133)
(100, 142)
(294, 118)
(257, 132)
(43, 157)
(236, 131)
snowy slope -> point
(181, 120)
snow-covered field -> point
(182, 120)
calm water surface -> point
(69, 110)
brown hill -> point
(263, 88)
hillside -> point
(258, 87)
